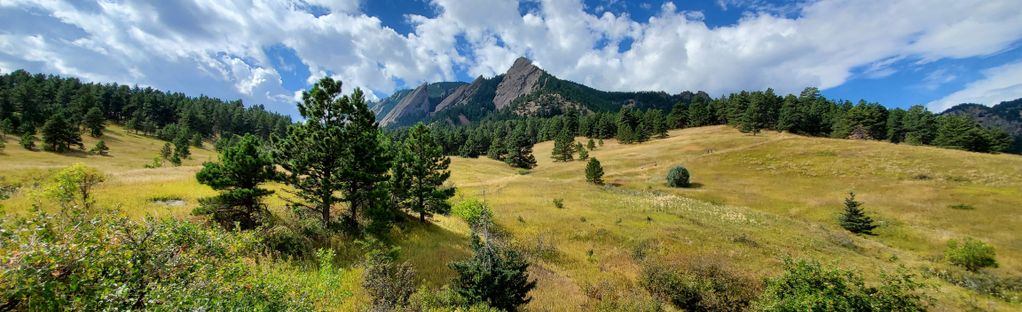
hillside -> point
(756, 200)
(1006, 116)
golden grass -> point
(756, 200)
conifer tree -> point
(600, 142)
(94, 122)
(854, 219)
(564, 147)
(59, 135)
(101, 148)
(365, 172)
(678, 118)
(594, 172)
(166, 151)
(242, 168)
(519, 150)
(497, 149)
(583, 153)
(423, 168)
(27, 141)
(495, 275)
(181, 149)
(591, 145)
(196, 140)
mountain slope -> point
(1006, 116)
(411, 105)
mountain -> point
(1006, 116)
(523, 90)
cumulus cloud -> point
(999, 84)
(217, 47)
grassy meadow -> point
(756, 200)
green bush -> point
(970, 254)
(559, 203)
(678, 177)
(702, 286)
(473, 211)
(496, 275)
(809, 286)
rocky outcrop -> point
(461, 95)
(520, 79)
(415, 105)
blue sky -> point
(897, 52)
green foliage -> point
(809, 286)
(564, 147)
(390, 284)
(962, 132)
(678, 177)
(100, 148)
(419, 173)
(27, 141)
(700, 287)
(591, 145)
(583, 153)
(94, 122)
(519, 149)
(72, 186)
(473, 211)
(854, 219)
(166, 151)
(337, 148)
(1007, 288)
(196, 140)
(156, 163)
(181, 147)
(971, 254)
(495, 275)
(594, 172)
(59, 135)
(559, 203)
(242, 168)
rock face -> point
(415, 105)
(461, 95)
(519, 80)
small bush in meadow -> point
(701, 286)
(559, 203)
(970, 254)
(473, 211)
(809, 286)
(678, 177)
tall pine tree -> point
(94, 122)
(59, 134)
(564, 147)
(423, 169)
(242, 168)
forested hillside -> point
(28, 102)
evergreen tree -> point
(564, 147)
(59, 135)
(787, 118)
(181, 149)
(678, 118)
(854, 219)
(166, 151)
(27, 141)
(756, 115)
(242, 168)
(594, 172)
(583, 154)
(658, 123)
(101, 148)
(699, 113)
(600, 142)
(519, 150)
(364, 175)
(895, 125)
(591, 145)
(196, 140)
(497, 149)
(423, 166)
(495, 275)
(920, 126)
(94, 122)
(313, 152)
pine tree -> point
(196, 140)
(364, 175)
(242, 168)
(59, 135)
(181, 149)
(594, 172)
(27, 141)
(312, 152)
(166, 151)
(600, 142)
(519, 150)
(94, 122)
(423, 166)
(101, 148)
(854, 219)
(497, 149)
(591, 145)
(583, 154)
(678, 118)
(564, 147)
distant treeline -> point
(28, 101)
(808, 114)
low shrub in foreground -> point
(809, 286)
(702, 286)
(970, 254)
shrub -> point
(961, 207)
(970, 254)
(495, 275)
(473, 211)
(1007, 288)
(678, 177)
(809, 286)
(27, 141)
(72, 186)
(703, 286)
(389, 284)
(559, 203)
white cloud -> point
(1000, 83)
(216, 47)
